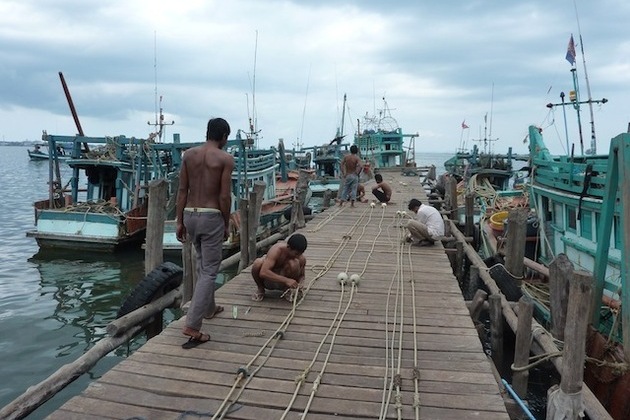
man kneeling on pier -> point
(282, 268)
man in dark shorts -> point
(282, 268)
(382, 191)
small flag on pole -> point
(571, 51)
(464, 126)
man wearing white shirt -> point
(426, 226)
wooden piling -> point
(516, 235)
(565, 402)
(243, 207)
(473, 279)
(459, 262)
(154, 242)
(560, 273)
(477, 304)
(253, 215)
(469, 228)
(451, 198)
(523, 345)
(496, 328)
(326, 200)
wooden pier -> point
(397, 343)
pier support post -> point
(523, 345)
(565, 402)
(560, 273)
(477, 304)
(451, 198)
(469, 228)
(326, 199)
(473, 279)
(496, 328)
(154, 242)
(515, 252)
(243, 210)
(459, 261)
(253, 216)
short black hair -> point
(354, 149)
(217, 128)
(378, 178)
(297, 242)
(414, 202)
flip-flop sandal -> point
(258, 297)
(195, 340)
(217, 310)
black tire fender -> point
(161, 280)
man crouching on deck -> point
(282, 268)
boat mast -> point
(593, 149)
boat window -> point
(586, 224)
(558, 215)
(571, 219)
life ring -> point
(161, 280)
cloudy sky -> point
(288, 63)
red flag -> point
(464, 126)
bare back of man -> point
(281, 268)
(202, 166)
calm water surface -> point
(55, 306)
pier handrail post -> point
(326, 199)
(469, 229)
(565, 401)
(154, 242)
(243, 209)
(256, 199)
(523, 344)
(515, 249)
(496, 328)
(451, 198)
(560, 273)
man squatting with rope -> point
(282, 268)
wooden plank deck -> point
(401, 344)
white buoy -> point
(355, 279)
(404, 213)
(383, 204)
(342, 278)
(398, 213)
(372, 204)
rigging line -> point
(398, 380)
(308, 81)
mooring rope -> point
(244, 372)
(338, 319)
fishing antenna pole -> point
(593, 149)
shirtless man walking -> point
(350, 169)
(203, 214)
(282, 268)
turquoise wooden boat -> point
(383, 144)
(103, 206)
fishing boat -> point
(103, 206)
(382, 143)
(252, 165)
(41, 152)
